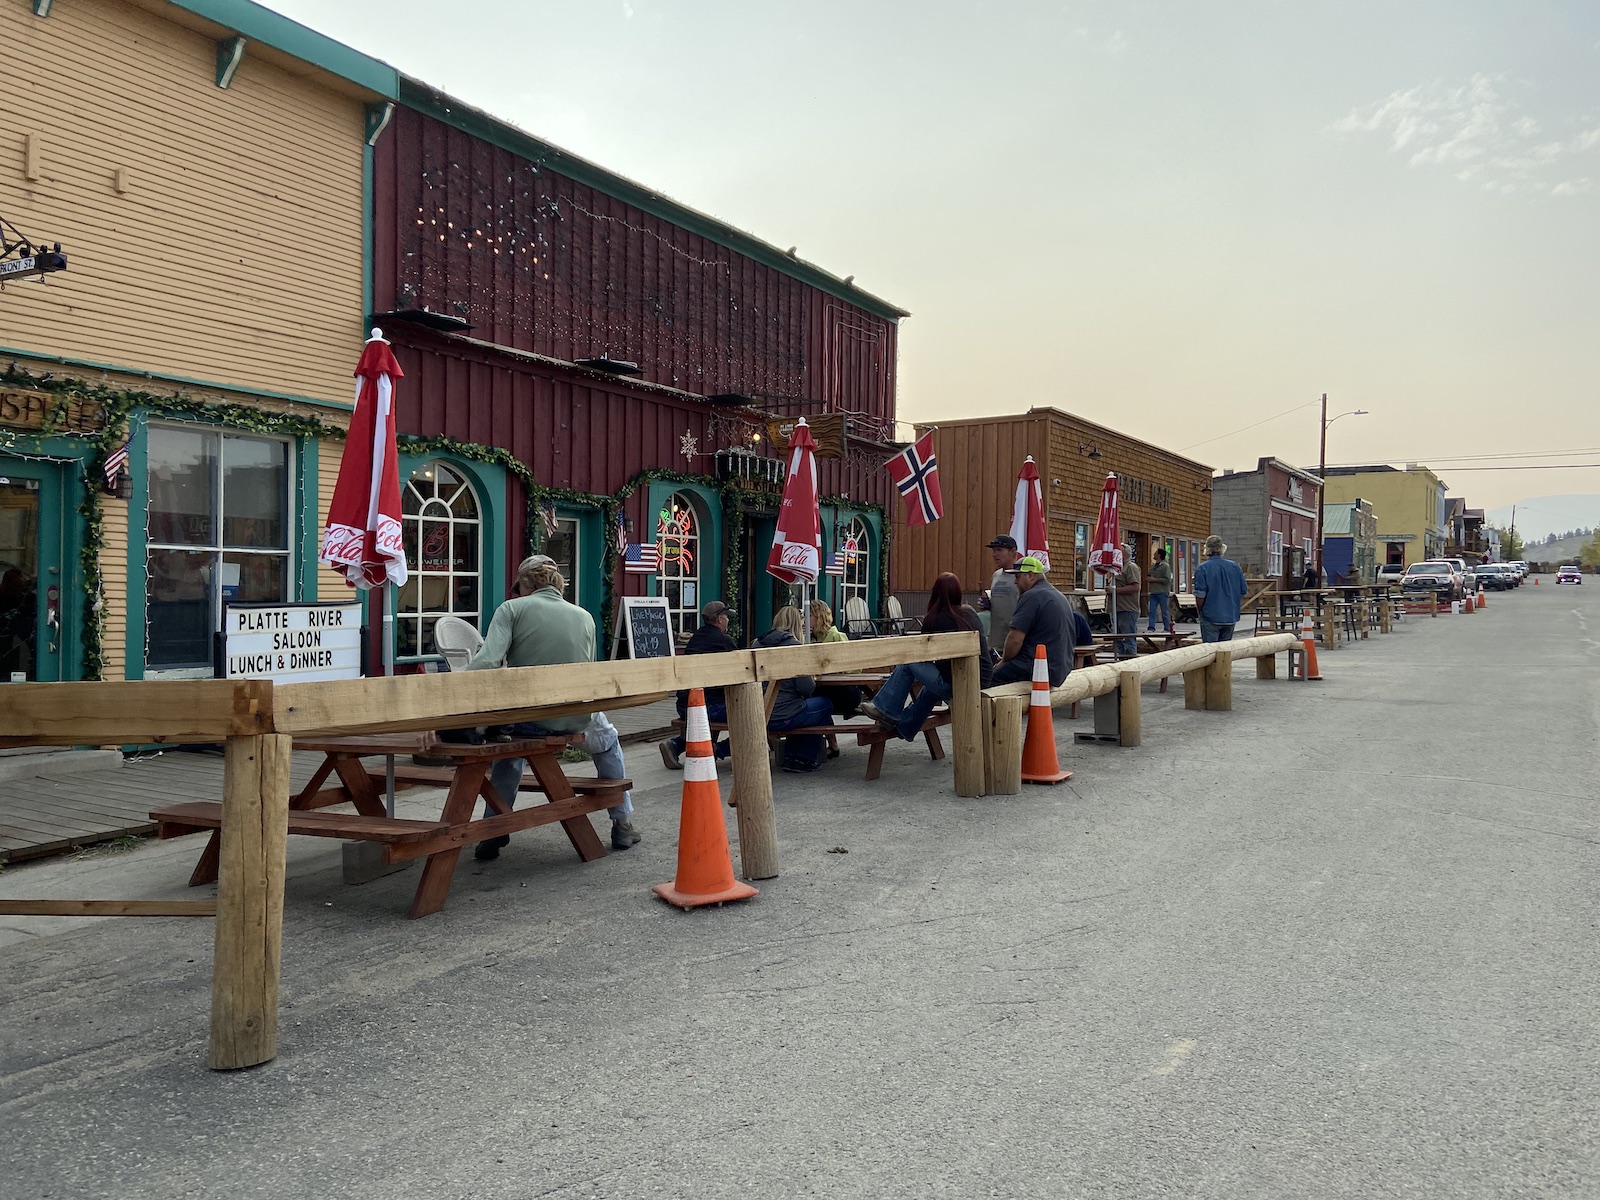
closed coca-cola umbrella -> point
(1027, 515)
(796, 555)
(362, 541)
(1105, 553)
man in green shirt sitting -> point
(539, 628)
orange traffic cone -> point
(705, 868)
(1467, 605)
(1308, 639)
(1483, 599)
(1039, 763)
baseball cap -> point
(535, 560)
(1004, 542)
(1027, 566)
(713, 609)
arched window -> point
(443, 530)
(678, 540)
(855, 548)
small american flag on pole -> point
(642, 558)
(115, 462)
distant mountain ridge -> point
(1540, 516)
(1559, 551)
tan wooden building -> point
(1164, 499)
(203, 165)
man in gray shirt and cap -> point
(1002, 588)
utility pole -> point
(1322, 466)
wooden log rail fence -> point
(258, 721)
(1207, 672)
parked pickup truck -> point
(1438, 577)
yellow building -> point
(203, 165)
(1409, 506)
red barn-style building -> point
(584, 357)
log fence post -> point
(1219, 682)
(966, 725)
(1003, 717)
(249, 932)
(1129, 731)
(752, 775)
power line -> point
(1220, 436)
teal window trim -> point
(307, 509)
(709, 511)
(41, 8)
(489, 481)
(307, 534)
(159, 377)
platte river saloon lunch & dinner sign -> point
(291, 643)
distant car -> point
(1436, 576)
(1569, 574)
(1391, 572)
(1496, 577)
(1466, 581)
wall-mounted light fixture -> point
(1091, 451)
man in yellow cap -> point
(1043, 617)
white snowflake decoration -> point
(690, 445)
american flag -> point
(642, 558)
(547, 514)
(115, 461)
(835, 565)
(915, 472)
(622, 533)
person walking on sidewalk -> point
(1219, 587)
(711, 638)
(1160, 592)
(1126, 583)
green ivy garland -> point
(119, 405)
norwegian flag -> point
(642, 559)
(915, 472)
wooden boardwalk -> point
(58, 812)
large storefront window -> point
(856, 548)
(220, 517)
(678, 540)
(443, 534)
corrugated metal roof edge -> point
(256, 22)
(430, 100)
(1049, 409)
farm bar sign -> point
(291, 643)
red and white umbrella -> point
(1106, 549)
(1027, 515)
(362, 541)
(796, 555)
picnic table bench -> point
(570, 801)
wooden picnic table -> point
(570, 801)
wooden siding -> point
(542, 263)
(235, 253)
(114, 568)
(330, 584)
(978, 465)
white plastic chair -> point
(457, 641)
(857, 620)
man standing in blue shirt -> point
(1219, 589)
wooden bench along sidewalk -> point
(867, 733)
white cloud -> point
(1477, 129)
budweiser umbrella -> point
(1027, 517)
(796, 555)
(1106, 550)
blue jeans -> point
(716, 714)
(600, 740)
(806, 747)
(1161, 602)
(894, 697)
(1127, 622)
(1212, 632)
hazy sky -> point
(1174, 218)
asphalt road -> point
(1338, 942)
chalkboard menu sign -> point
(648, 626)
